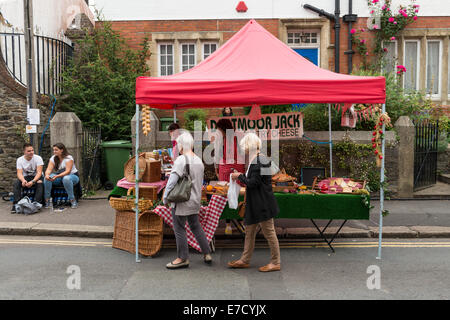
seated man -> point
(29, 173)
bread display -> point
(282, 176)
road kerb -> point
(394, 232)
(432, 231)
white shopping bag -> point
(233, 194)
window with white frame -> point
(165, 59)
(390, 56)
(187, 56)
(208, 49)
(433, 67)
(303, 38)
(411, 62)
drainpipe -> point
(350, 18)
(337, 27)
(337, 33)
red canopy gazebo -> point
(256, 68)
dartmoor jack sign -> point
(280, 126)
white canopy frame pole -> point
(330, 140)
(174, 113)
(136, 176)
(380, 231)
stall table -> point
(121, 189)
(315, 206)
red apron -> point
(225, 169)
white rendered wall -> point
(258, 9)
(50, 17)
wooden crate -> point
(150, 232)
(152, 171)
(146, 192)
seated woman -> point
(61, 171)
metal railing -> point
(91, 139)
(51, 58)
(425, 153)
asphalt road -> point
(79, 268)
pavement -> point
(427, 215)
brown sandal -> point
(270, 267)
(238, 264)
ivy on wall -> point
(99, 84)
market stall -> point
(255, 68)
(155, 168)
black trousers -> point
(17, 189)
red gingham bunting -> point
(208, 216)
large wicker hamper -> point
(150, 232)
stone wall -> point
(443, 166)
(13, 110)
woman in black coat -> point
(260, 206)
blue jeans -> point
(67, 181)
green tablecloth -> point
(315, 206)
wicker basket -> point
(130, 167)
(151, 228)
(146, 192)
(124, 204)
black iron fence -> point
(425, 153)
(51, 58)
(91, 159)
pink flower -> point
(383, 7)
(391, 19)
(416, 11)
(363, 41)
(371, 12)
(415, 18)
(401, 69)
(375, 1)
(385, 49)
(403, 13)
(352, 31)
(363, 30)
(392, 38)
(375, 26)
(395, 22)
(416, 6)
(367, 53)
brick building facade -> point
(176, 45)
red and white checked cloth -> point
(123, 183)
(208, 216)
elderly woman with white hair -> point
(260, 207)
(187, 210)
